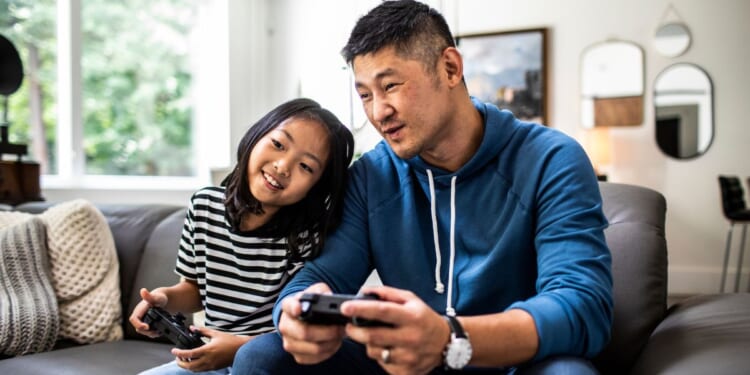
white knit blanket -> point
(29, 320)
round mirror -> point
(672, 39)
(612, 84)
(683, 107)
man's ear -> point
(453, 65)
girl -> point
(244, 240)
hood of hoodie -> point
(494, 140)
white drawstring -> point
(439, 287)
(449, 303)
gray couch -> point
(706, 334)
(146, 237)
(700, 335)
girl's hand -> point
(216, 354)
(150, 299)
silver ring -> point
(385, 355)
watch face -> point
(458, 353)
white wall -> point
(307, 36)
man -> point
(474, 220)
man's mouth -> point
(391, 129)
(272, 181)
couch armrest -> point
(635, 237)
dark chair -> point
(735, 210)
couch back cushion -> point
(158, 262)
(639, 269)
(132, 226)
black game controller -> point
(172, 327)
(325, 309)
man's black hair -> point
(415, 30)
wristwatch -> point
(457, 353)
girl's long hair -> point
(306, 223)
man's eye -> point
(389, 86)
(364, 96)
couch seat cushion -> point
(126, 357)
(706, 334)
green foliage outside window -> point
(135, 66)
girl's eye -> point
(306, 168)
(276, 144)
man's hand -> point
(308, 343)
(217, 354)
(415, 344)
(150, 299)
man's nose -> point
(381, 110)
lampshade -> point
(597, 142)
(11, 69)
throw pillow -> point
(29, 320)
(84, 269)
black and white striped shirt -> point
(239, 274)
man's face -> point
(405, 103)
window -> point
(136, 81)
(116, 86)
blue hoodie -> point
(519, 226)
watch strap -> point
(455, 326)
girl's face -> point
(287, 162)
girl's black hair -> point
(306, 223)
(415, 30)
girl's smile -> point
(272, 182)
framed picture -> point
(508, 69)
